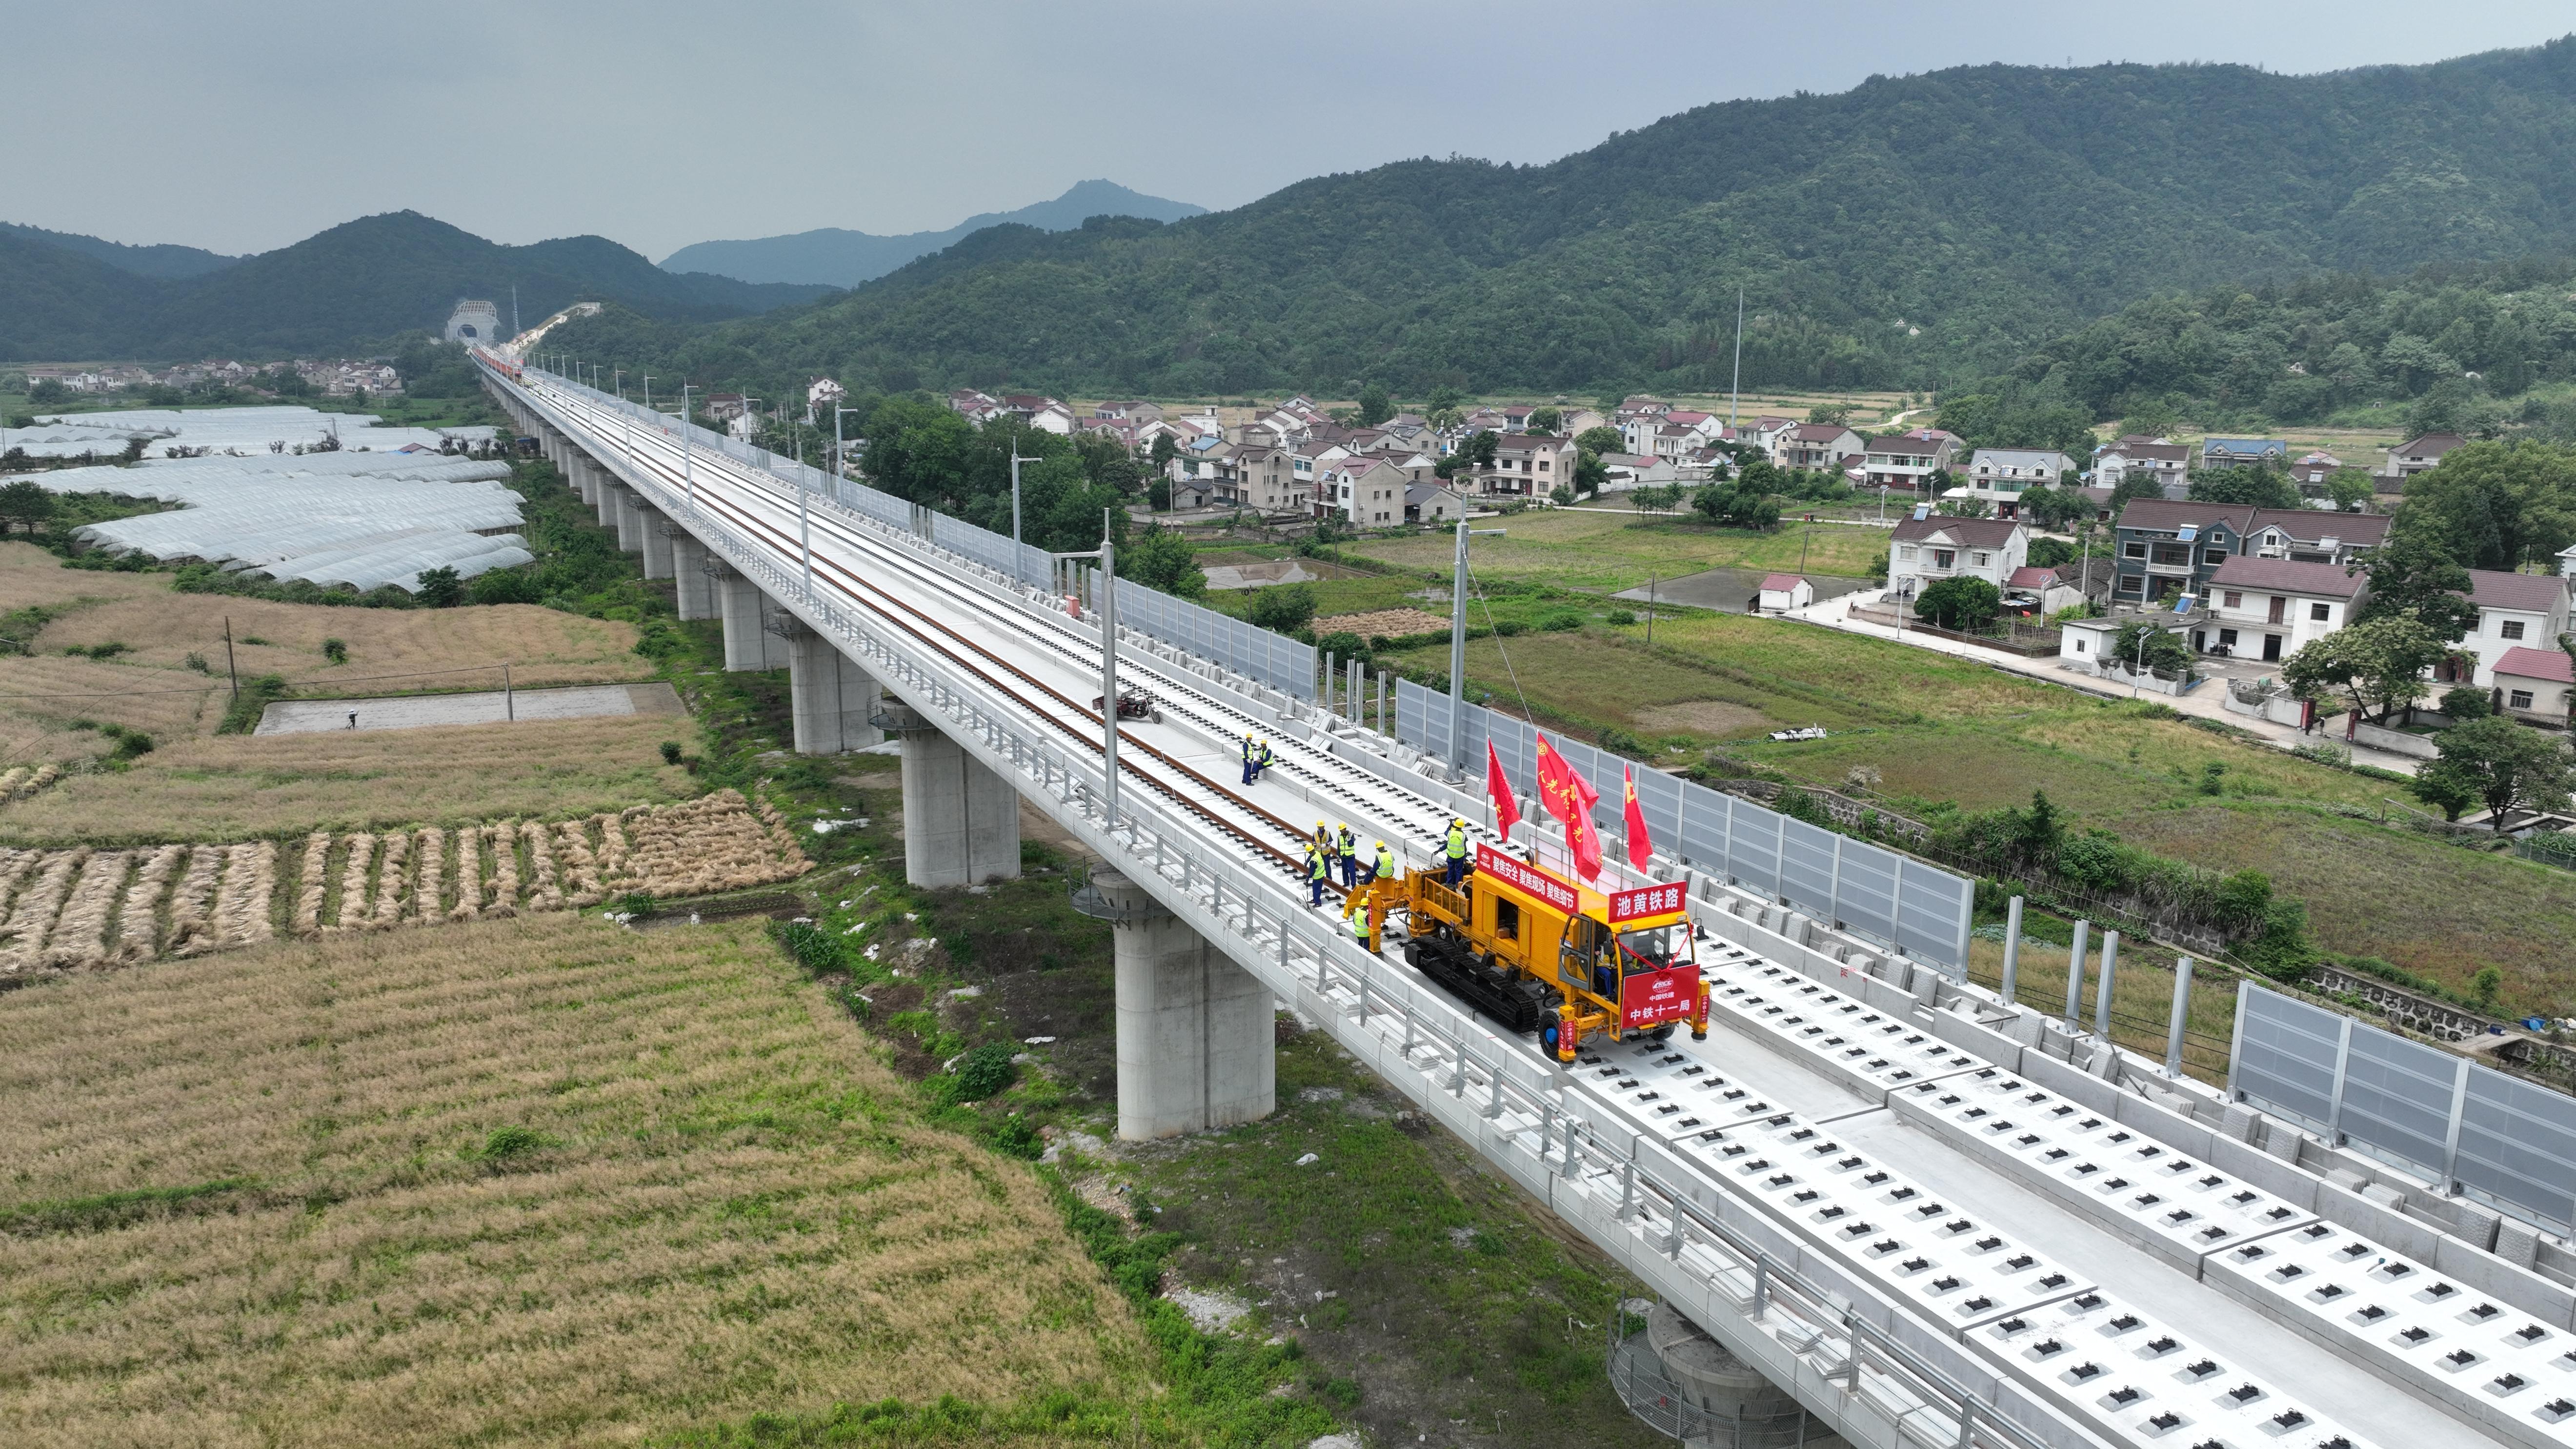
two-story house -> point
(1817, 447)
(2418, 455)
(2001, 475)
(1529, 465)
(1042, 413)
(2269, 608)
(1906, 460)
(2515, 611)
(1264, 480)
(2167, 463)
(2168, 548)
(2242, 452)
(1927, 549)
(2535, 684)
(1366, 489)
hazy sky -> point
(249, 125)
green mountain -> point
(355, 285)
(847, 258)
(1905, 232)
(158, 260)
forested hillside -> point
(1903, 233)
(356, 284)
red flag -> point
(1498, 788)
(1570, 798)
(1641, 846)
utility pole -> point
(1458, 644)
(514, 309)
(1016, 461)
(1104, 604)
(230, 670)
(1735, 389)
(688, 453)
(648, 391)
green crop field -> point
(1607, 552)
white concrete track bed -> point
(1844, 1184)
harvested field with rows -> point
(63, 910)
(530, 1181)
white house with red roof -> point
(2515, 611)
(2536, 684)
(1783, 592)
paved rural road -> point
(403, 712)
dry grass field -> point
(418, 648)
(237, 787)
(535, 1180)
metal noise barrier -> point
(2493, 1137)
(1871, 892)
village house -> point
(2168, 548)
(2001, 475)
(1263, 480)
(2312, 470)
(1931, 547)
(2036, 590)
(2515, 611)
(1905, 461)
(1633, 470)
(1044, 414)
(2536, 685)
(1365, 489)
(2167, 463)
(2270, 608)
(1432, 503)
(1782, 592)
(2242, 452)
(1817, 448)
(1528, 465)
(2417, 455)
(2309, 535)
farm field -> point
(236, 787)
(1608, 552)
(531, 1180)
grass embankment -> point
(532, 1180)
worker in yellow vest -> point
(1457, 851)
(1314, 874)
(1347, 846)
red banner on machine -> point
(1522, 876)
(1653, 900)
(1656, 997)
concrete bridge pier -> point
(689, 574)
(603, 501)
(832, 702)
(961, 822)
(588, 479)
(747, 643)
(1197, 1047)
(627, 511)
(656, 528)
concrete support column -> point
(689, 572)
(832, 700)
(1197, 1048)
(627, 510)
(655, 527)
(961, 822)
(589, 478)
(603, 501)
(747, 644)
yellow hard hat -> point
(1381, 845)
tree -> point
(1963, 602)
(2411, 577)
(27, 502)
(2495, 505)
(2133, 486)
(1375, 406)
(1162, 454)
(1830, 414)
(2445, 791)
(2056, 508)
(50, 392)
(1281, 608)
(439, 588)
(1476, 452)
(1546, 419)
(1161, 559)
(1601, 439)
(1445, 418)
(1123, 474)
(2260, 487)
(2350, 488)
(2150, 647)
(1589, 472)
(1744, 505)
(2503, 764)
(2378, 664)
